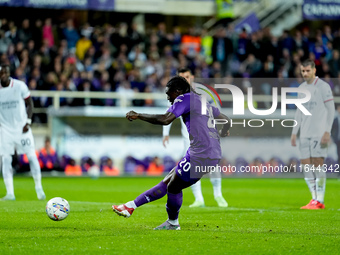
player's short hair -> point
(179, 83)
(183, 70)
(308, 62)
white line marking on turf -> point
(90, 202)
(206, 207)
(283, 209)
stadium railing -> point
(56, 95)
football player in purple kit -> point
(204, 150)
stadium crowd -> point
(85, 57)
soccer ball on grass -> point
(57, 208)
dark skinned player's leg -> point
(155, 192)
(175, 196)
(148, 196)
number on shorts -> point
(315, 144)
(26, 142)
(186, 166)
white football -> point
(94, 172)
(57, 208)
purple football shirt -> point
(204, 138)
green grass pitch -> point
(263, 218)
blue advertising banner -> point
(321, 9)
(56, 4)
(104, 5)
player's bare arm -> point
(29, 110)
(157, 119)
(293, 140)
(325, 139)
(166, 140)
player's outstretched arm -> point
(157, 119)
(225, 129)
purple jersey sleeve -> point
(181, 105)
(216, 111)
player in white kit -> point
(314, 133)
(215, 178)
(16, 110)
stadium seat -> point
(294, 164)
(239, 162)
(85, 162)
(147, 160)
(169, 163)
(65, 159)
(129, 165)
(279, 161)
(102, 161)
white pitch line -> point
(90, 202)
(276, 209)
(206, 207)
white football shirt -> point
(13, 116)
(315, 125)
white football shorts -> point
(311, 148)
(22, 143)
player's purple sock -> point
(173, 205)
(152, 194)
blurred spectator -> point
(225, 166)
(48, 157)
(334, 63)
(155, 167)
(86, 164)
(319, 50)
(109, 169)
(137, 56)
(242, 45)
(37, 33)
(135, 37)
(86, 86)
(48, 33)
(129, 60)
(286, 41)
(4, 42)
(327, 35)
(257, 166)
(221, 49)
(25, 32)
(126, 92)
(293, 164)
(191, 43)
(251, 66)
(82, 45)
(71, 35)
(72, 169)
(12, 34)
